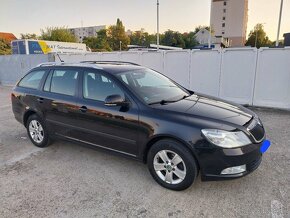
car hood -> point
(209, 107)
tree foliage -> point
(99, 43)
(189, 40)
(28, 36)
(116, 34)
(258, 33)
(142, 38)
(60, 34)
(5, 47)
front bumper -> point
(214, 160)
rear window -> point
(62, 82)
(32, 79)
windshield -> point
(152, 87)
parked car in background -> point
(140, 113)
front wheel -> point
(172, 165)
(37, 132)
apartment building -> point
(229, 19)
(81, 32)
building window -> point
(224, 18)
(223, 25)
(225, 3)
(223, 33)
(225, 10)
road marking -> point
(277, 209)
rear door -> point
(58, 100)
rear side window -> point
(32, 80)
(62, 82)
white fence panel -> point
(205, 71)
(13, 67)
(238, 75)
(177, 66)
(272, 87)
(133, 57)
(153, 60)
(110, 56)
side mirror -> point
(115, 100)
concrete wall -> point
(13, 67)
(242, 75)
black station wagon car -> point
(137, 112)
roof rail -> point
(110, 62)
(47, 64)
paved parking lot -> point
(69, 180)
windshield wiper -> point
(162, 102)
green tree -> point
(258, 35)
(189, 40)
(142, 38)
(28, 36)
(116, 34)
(99, 43)
(5, 47)
(172, 38)
(60, 34)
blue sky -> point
(29, 16)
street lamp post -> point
(157, 25)
(279, 23)
(209, 37)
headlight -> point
(226, 139)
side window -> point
(32, 80)
(98, 87)
(63, 82)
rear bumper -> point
(213, 161)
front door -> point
(114, 128)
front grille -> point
(257, 130)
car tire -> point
(37, 131)
(172, 165)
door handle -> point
(83, 109)
(40, 100)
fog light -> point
(234, 170)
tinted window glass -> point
(98, 87)
(151, 86)
(32, 80)
(64, 82)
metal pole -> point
(209, 37)
(120, 45)
(279, 23)
(157, 25)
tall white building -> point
(81, 32)
(229, 19)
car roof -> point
(113, 67)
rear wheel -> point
(172, 165)
(37, 132)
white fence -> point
(13, 67)
(243, 75)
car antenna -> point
(59, 58)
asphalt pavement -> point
(71, 180)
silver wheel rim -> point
(169, 167)
(36, 131)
